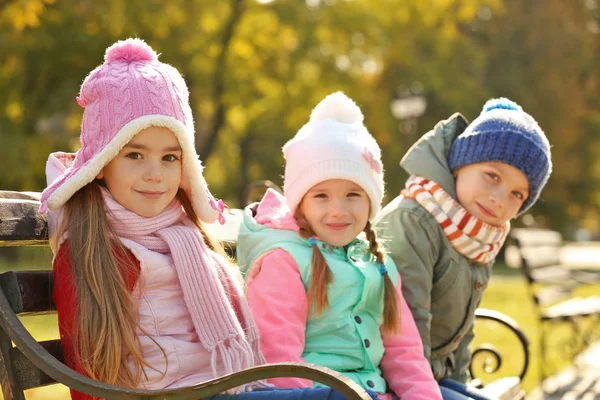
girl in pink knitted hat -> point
(320, 285)
(145, 297)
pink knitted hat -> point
(132, 91)
(334, 144)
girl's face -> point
(337, 210)
(491, 191)
(145, 176)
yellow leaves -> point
(14, 111)
(175, 13)
(573, 210)
(402, 15)
(324, 34)
(242, 49)
(433, 13)
(289, 38)
(309, 73)
(73, 121)
(237, 118)
(24, 13)
(210, 23)
(449, 31)
(267, 86)
(92, 28)
(213, 50)
(467, 10)
(9, 67)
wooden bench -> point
(552, 284)
(29, 364)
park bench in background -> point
(552, 284)
(31, 364)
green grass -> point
(506, 293)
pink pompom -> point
(130, 50)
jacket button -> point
(367, 343)
(357, 319)
(370, 383)
(478, 285)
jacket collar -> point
(428, 157)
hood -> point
(264, 225)
(56, 165)
(273, 212)
(428, 157)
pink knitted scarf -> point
(214, 300)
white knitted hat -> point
(334, 144)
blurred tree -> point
(256, 68)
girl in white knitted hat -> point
(320, 286)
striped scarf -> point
(467, 234)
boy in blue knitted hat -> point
(446, 228)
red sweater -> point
(65, 299)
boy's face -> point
(337, 210)
(145, 176)
(491, 191)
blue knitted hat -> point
(505, 133)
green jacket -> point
(334, 338)
(443, 288)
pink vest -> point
(164, 320)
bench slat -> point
(542, 256)
(507, 388)
(28, 291)
(27, 374)
(536, 237)
(551, 274)
(577, 306)
(552, 294)
(21, 223)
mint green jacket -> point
(442, 288)
(334, 338)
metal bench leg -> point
(543, 362)
(591, 333)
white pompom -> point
(337, 106)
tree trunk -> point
(206, 148)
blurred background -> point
(255, 69)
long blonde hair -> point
(321, 277)
(106, 332)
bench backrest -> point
(30, 292)
(540, 262)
